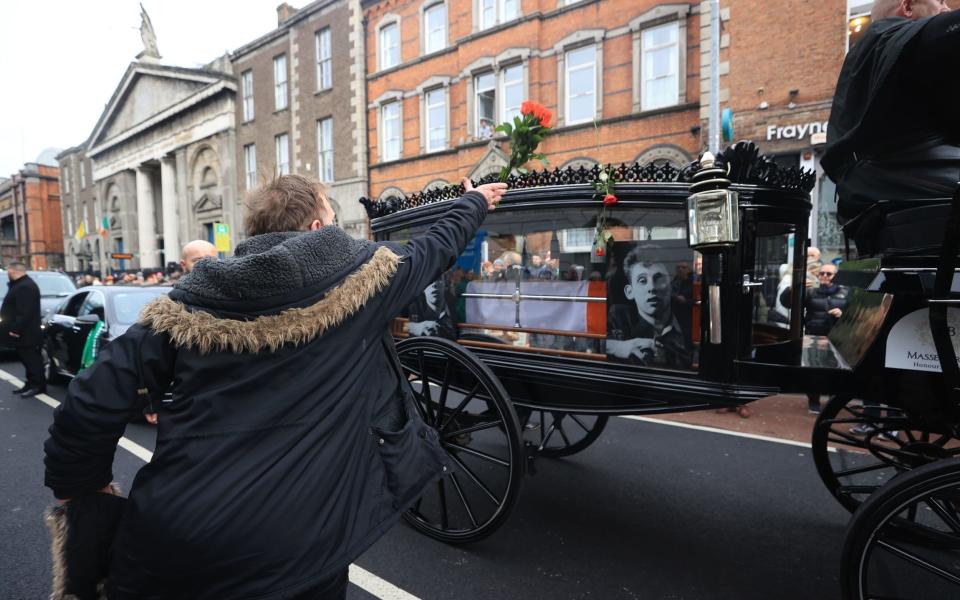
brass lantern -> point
(713, 210)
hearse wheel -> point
(559, 434)
(904, 541)
(463, 400)
(883, 443)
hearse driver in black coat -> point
(290, 445)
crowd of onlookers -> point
(130, 278)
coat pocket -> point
(412, 458)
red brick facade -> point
(30, 225)
(536, 38)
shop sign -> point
(910, 343)
(796, 132)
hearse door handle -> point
(748, 284)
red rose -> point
(539, 111)
(610, 200)
(601, 251)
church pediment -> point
(207, 203)
(147, 91)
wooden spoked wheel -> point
(904, 541)
(465, 403)
(859, 447)
(558, 434)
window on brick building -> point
(250, 165)
(512, 85)
(390, 45)
(485, 88)
(324, 60)
(280, 82)
(282, 142)
(246, 84)
(660, 66)
(494, 12)
(325, 149)
(580, 85)
(391, 131)
(435, 110)
(435, 28)
(858, 20)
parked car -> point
(66, 330)
(54, 288)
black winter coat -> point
(20, 313)
(873, 151)
(819, 302)
(280, 458)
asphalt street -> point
(649, 511)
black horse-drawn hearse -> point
(686, 293)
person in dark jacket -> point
(825, 303)
(291, 444)
(824, 307)
(894, 131)
(20, 327)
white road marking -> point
(751, 436)
(380, 588)
(360, 577)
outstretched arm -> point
(425, 258)
(99, 404)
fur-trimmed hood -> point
(279, 288)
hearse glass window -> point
(534, 281)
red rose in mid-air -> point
(601, 251)
(610, 200)
(541, 112)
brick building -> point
(300, 96)
(30, 217)
(443, 73)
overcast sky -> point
(60, 60)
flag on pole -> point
(81, 231)
(104, 227)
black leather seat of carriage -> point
(900, 228)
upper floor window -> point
(66, 178)
(246, 84)
(512, 78)
(660, 66)
(283, 154)
(280, 82)
(581, 85)
(390, 45)
(858, 20)
(435, 28)
(324, 60)
(436, 113)
(494, 12)
(391, 131)
(485, 88)
(250, 165)
(83, 174)
(325, 149)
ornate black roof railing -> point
(746, 164)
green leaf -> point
(505, 128)
(522, 170)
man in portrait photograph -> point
(644, 330)
(430, 313)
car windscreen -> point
(127, 305)
(52, 284)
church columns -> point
(171, 237)
(146, 221)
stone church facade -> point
(161, 166)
